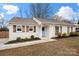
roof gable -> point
(39, 21)
(19, 20)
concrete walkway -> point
(15, 45)
(3, 40)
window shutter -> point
(61, 29)
(14, 28)
(71, 29)
(34, 28)
(23, 28)
(27, 30)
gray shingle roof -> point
(52, 21)
(43, 21)
(22, 20)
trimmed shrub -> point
(59, 34)
(78, 33)
(26, 38)
(32, 37)
(37, 38)
(64, 35)
(73, 34)
(19, 39)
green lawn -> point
(65, 46)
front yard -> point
(65, 46)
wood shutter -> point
(23, 28)
(27, 30)
(71, 29)
(34, 28)
(14, 28)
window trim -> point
(71, 29)
(57, 30)
(17, 27)
(68, 30)
(29, 28)
(25, 28)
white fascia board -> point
(39, 22)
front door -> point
(43, 31)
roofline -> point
(36, 20)
(40, 23)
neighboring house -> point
(20, 27)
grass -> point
(62, 47)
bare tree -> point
(57, 17)
(20, 11)
(40, 10)
(1, 20)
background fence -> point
(4, 34)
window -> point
(43, 28)
(19, 28)
(31, 28)
(77, 29)
(56, 29)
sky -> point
(66, 10)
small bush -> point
(32, 37)
(11, 42)
(59, 34)
(64, 35)
(37, 38)
(19, 39)
(26, 38)
(73, 34)
(78, 33)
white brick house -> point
(20, 27)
